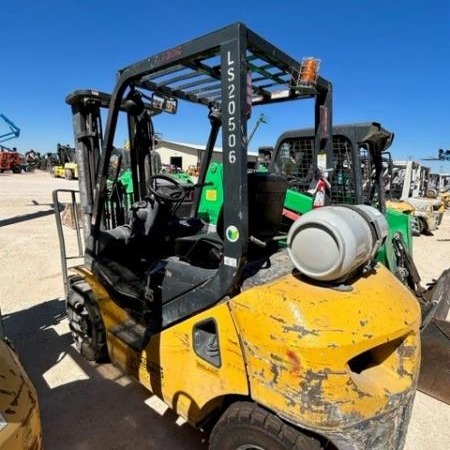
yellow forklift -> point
(67, 166)
(261, 344)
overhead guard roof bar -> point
(277, 72)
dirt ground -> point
(86, 406)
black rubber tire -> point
(416, 226)
(246, 426)
(86, 324)
(17, 169)
(424, 229)
(68, 174)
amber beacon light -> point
(309, 70)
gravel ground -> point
(86, 406)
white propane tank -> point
(328, 243)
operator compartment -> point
(185, 253)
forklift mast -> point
(86, 105)
(66, 154)
(88, 136)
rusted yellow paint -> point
(188, 382)
(299, 339)
(288, 345)
(401, 206)
(18, 405)
(169, 366)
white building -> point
(183, 155)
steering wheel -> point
(168, 189)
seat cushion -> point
(125, 286)
(144, 293)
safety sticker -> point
(211, 195)
(322, 161)
(232, 233)
(232, 262)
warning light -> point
(308, 71)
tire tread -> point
(249, 414)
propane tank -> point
(329, 243)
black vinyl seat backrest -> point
(266, 194)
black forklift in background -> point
(357, 174)
(355, 169)
(223, 323)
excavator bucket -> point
(434, 378)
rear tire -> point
(246, 426)
(86, 323)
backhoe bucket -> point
(434, 378)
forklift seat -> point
(266, 194)
(145, 234)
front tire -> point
(246, 426)
(86, 323)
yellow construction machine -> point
(264, 340)
(67, 166)
(20, 424)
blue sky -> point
(389, 61)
